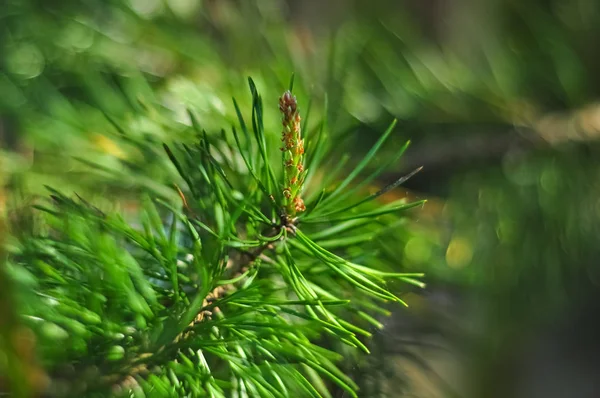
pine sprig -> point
(224, 294)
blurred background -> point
(498, 97)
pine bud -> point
(293, 155)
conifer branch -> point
(219, 296)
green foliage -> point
(219, 294)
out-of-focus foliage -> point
(69, 64)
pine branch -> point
(227, 293)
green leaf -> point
(180, 169)
(363, 163)
(385, 166)
(250, 169)
(370, 214)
